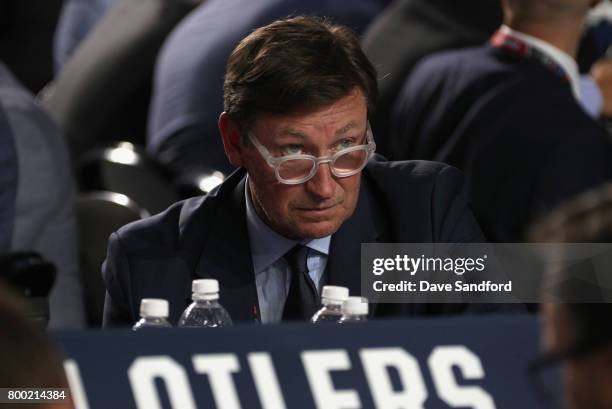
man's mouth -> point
(318, 210)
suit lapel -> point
(226, 254)
(344, 263)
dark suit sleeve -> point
(453, 221)
(577, 164)
(115, 272)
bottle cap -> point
(205, 289)
(355, 306)
(154, 308)
(334, 294)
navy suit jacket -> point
(511, 125)
(188, 86)
(206, 237)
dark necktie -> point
(302, 300)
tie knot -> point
(296, 258)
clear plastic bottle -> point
(153, 313)
(354, 309)
(205, 310)
(332, 298)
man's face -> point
(586, 380)
(319, 206)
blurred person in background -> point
(595, 63)
(577, 337)
(508, 114)
(409, 30)
(28, 359)
(44, 216)
(26, 36)
(601, 73)
(77, 19)
(101, 93)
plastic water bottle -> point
(153, 313)
(354, 309)
(332, 298)
(205, 310)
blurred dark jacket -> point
(409, 30)
(511, 124)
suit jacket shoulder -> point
(161, 231)
(427, 201)
(140, 256)
(161, 255)
(511, 125)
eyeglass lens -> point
(350, 161)
(295, 169)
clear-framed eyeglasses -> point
(296, 169)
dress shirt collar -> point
(267, 246)
(560, 57)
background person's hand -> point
(602, 74)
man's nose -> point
(322, 185)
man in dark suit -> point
(506, 113)
(308, 192)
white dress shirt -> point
(272, 275)
(560, 57)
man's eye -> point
(292, 150)
(346, 143)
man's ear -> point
(230, 132)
